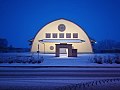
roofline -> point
(66, 20)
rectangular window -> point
(75, 35)
(54, 35)
(61, 35)
(68, 35)
(48, 35)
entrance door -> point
(63, 52)
(66, 49)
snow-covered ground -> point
(105, 84)
(51, 60)
(59, 73)
(20, 78)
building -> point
(61, 36)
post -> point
(44, 47)
(38, 51)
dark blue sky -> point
(21, 19)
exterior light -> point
(95, 42)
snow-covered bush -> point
(21, 59)
(110, 59)
(1, 61)
(117, 59)
(10, 61)
(97, 59)
(105, 59)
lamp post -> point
(44, 47)
(43, 44)
(38, 51)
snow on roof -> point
(62, 40)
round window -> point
(61, 27)
(51, 47)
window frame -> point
(75, 35)
(68, 35)
(61, 34)
(48, 35)
(55, 35)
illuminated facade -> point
(61, 32)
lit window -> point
(54, 35)
(61, 35)
(75, 35)
(48, 35)
(68, 35)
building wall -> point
(84, 47)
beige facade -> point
(61, 31)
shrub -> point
(30, 61)
(99, 60)
(24, 61)
(18, 61)
(1, 61)
(11, 61)
(117, 59)
(95, 59)
(104, 59)
(34, 61)
(38, 61)
(110, 60)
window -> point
(68, 35)
(51, 47)
(61, 27)
(54, 35)
(75, 35)
(48, 35)
(61, 35)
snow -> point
(104, 84)
(66, 73)
(51, 60)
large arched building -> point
(61, 36)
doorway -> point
(63, 52)
(64, 48)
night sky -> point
(20, 20)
